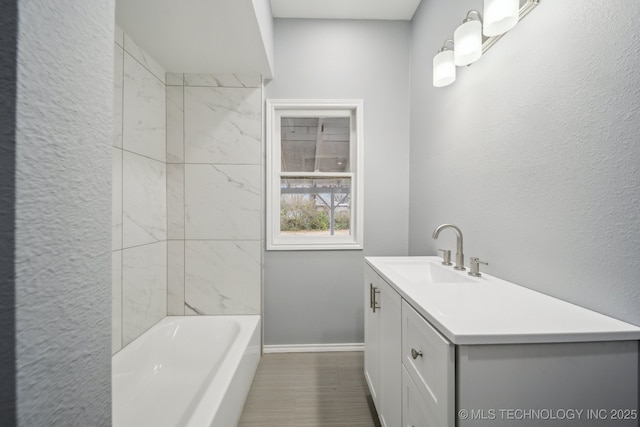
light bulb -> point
(444, 69)
(500, 16)
(468, 42)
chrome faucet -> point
(459, 254)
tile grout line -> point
(141, 245)
(183, 202)
(166, 188)
(122, 202)
(210, 240)
(221, 164)
(142, 155)
(141, 64)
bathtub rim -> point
(235, 371)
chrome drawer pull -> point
(371, 296)
(375, 305)
(415, 353)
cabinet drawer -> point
(429, 360)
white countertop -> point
(488, 310)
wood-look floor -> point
(310, 389)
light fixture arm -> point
(444, 45)
(469, 16)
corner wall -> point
(139, 208)
(262, 10)
(62, 234)
(534, 152)
(315, 297)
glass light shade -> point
(444, 70)
(467, 40)
(500, 16)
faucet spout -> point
(459, 253)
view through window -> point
(315, 205)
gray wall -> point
(533, 151)
(315, 297)
(63, 179)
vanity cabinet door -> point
(371, 334)
(383, 347)
(414, 405)
(390, 312)
(430, 361)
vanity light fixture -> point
(444, 68)
(468, 39)
(500, 16)
(471, 39)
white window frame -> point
(276, 108)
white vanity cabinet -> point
(382, 347)
(444, 350)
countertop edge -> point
(501, 339)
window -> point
(314, 174)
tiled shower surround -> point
(187, 199)
(139, 208)
(214, 190)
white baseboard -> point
(312, 348)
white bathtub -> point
(191, 371)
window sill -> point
(352, 246)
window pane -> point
(315, 206)
(315, 144)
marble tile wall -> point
(214, 193)
(222, 201)
(139, 208)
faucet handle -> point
(446, 256)
(474, 267)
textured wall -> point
(63, 134)
(214, 190)
(533, 151)
(315, 297)
(139, 207)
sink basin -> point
(427, 272)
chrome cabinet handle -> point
(415, 354)
(375, 303)
(371, 296)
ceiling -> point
(232, 36)
(345, 9)
(197, 36)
